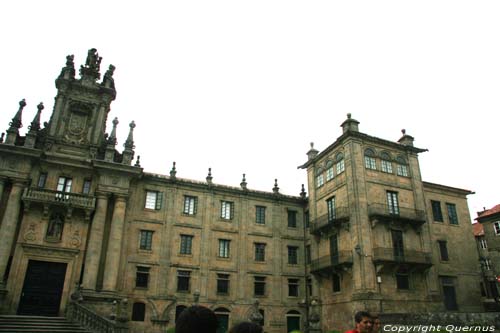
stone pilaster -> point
(2, 187)
(9, 224)
(94, 247)
(114, 245)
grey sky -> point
(243, 87)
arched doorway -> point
(222, 315)
(292, 321)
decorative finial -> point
(209, 177)
(129, 143)
(403, 131)
(112, 136)
(349, 116)
(35, 124)
(68, 71)
(243, 183)
(173, 171)
(303, 192)
(276, 189)
(312, 145)
(16, 121)
(138, 161)
(2, 137)
(92, 66)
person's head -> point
(363, 321)
(376, 324)
(196, 319)
(246, 327)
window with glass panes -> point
(142, 277)
(482, 243)
(401, 167)
(42, 179)
(308, 254)
(146, 240)
(292, 219)
(224, 245)
(339, 166)
(183, 278)
(320, 180)
(370, 162)
(186, 244)
(86, 186)
(222, 284)
(293, 287)
(443, 250)
(227, 210)
(293, 255)
(330, 207)
(306, 219)
(385, 163)
(260, 251)
(452, 213)
(329, 171)
(392, 202)
(260, 214)
(496, 227)
(63, 186)
(190, 205)
(437, 214)
(259, 285)
(153, 200)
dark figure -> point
(246, 327)
(376, 324)
(196, 319)
(363, 322)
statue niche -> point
(55, 227)
(78, 123)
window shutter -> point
(159, 200)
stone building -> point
(75, 211)
(486, 231)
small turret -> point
(15, 124)
(34, 128)
(312, 153)
(111, 143)
(128, 153)
(406, 140)
(350, 125)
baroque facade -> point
(78, 217)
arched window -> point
(329, 170)
(319, 177)
(292, 321)
(339, 160)
(370, 162)
(402, 166)
(178, 310)
(138, 311)
(222, 315)
(386, 164)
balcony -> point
(387, 256)
(328, 264)
(325, 222)
(67, 199)
(385, 213)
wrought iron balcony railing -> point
(75, 200)
(389, 254)
(327, 221)
(385, 212)
(331, 263)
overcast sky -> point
(245, 86)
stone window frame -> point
(153, 200)
(451, 209)
(259, 252)
(260, 214)
(142, 275)
(259, 284)
(336, 283)
(185, 277)
(293, 287)
(190, 205)
(330, 172)
(402, 167)
(292, 218)
(496, 228)
(320, 179)
(224, 249)
(444, 255)
(138, 311)
(437, 212)
(86, 186)
(186, 245)
(370, 160)
(42, 180)
(223, 282)
(292, 255)
(386, 162)
(146, 240)
(339, 163)
(226, 210)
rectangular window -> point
(306, 219)
(259, 286)
(309, 286)
(392, 203)
(487, 264)
(63, 186)
(402, 281)
(496, 227)
(370, 163)
(329, 174)
(190, 205)
(402, 170)
(146, 239)
(292, 219)
(335, 283)
(260, 214)
(227, 210)
(42, 179)
(153, 200)
(443, 250)
(183, 280)
(260, 252)
(224, 245)
(436, 211)
(330, 206)
(142, 277)
(186, 244)
(222, 284)
(86, 186)
(397, 245)
(340, 167)
(293, 255)
(334, 249)
(386, 166)
(293, 287)
(308, 254)
(482, 243)
(320, 181)
(452, 213)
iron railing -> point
(328, 220)
(343, 258)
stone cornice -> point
(459, 191)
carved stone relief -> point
(30, 234)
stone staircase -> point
(38, 324)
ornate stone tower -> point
(81, 107)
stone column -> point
(9, 224)
(94, 246)
(114, 245)
(2, 187)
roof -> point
(478, 229)
(488, 212)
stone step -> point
(38, 324)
